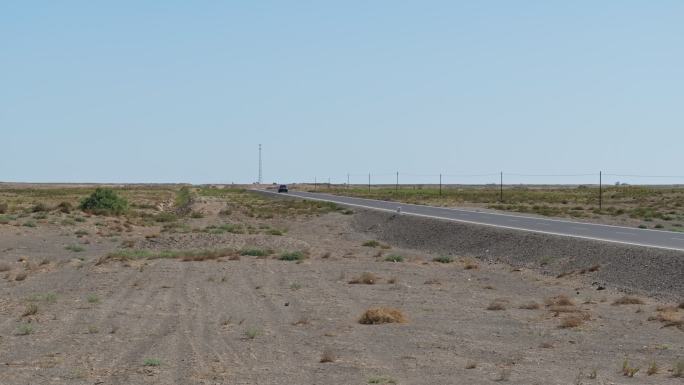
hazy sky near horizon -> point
(180, 91)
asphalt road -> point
(625, 235)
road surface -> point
(631, 236)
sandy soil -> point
(260, 320)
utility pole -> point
(396, 188)
(315, 184)
(440, 184)
(259, 180)
(600, 190)
(347, 180)
(501, 187)
(368, 182)
(328, 183)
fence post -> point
(600, 190)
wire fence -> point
(498, 178)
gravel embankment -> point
(649, 271)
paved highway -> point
(625, 235)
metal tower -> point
(259, 181)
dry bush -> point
(628, 300)
(235, 257)
(328, 356)
(546, 345)
(681, 305)
(20, 277)
(497, 304)
(31, 309)
(471, 365)
(571, 321)
(529, 306)
(559, 300)
(564, 309)
(432, 282)
(469, 264)
(392, 280)
(5, 267)
(366, 279)
(382, 315)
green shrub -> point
(151, 362)
(371, 244)
(255, 252)
(394, 258)
(104, 202)
(292, 256)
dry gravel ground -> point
(260, 320)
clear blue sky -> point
(181, 91)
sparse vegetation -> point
(327, 356)
(75, 248)
(628, 370)
(497, 304)
(251, 333)
(255, 252)
(628, 300)
(25, 329)
(382, 380)
(382, 315)
(371, 243)
(443, 259)
(152, 362)
(93, 298)
(292, 256)
(31, 309)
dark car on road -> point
(282, 188)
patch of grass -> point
(274, 232)
(295, 286)
(29, 224)
(382, 315)
(470, 265)
(152, 362)
(251, 333)
(628, 370)
(25, 329)
(443, 259)
(196, 215)
(184, 255)
(255, 252)
(80, 233)
(292, 256)
(652, 368)
(64, 207)
(366, 279)
(371, 243)
(93, 298)
(628, 300)
(165, 217)
(394, 258)
(678, 369)
(75, 248)
(47, 297)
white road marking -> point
(492, 225)
(489, 212)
